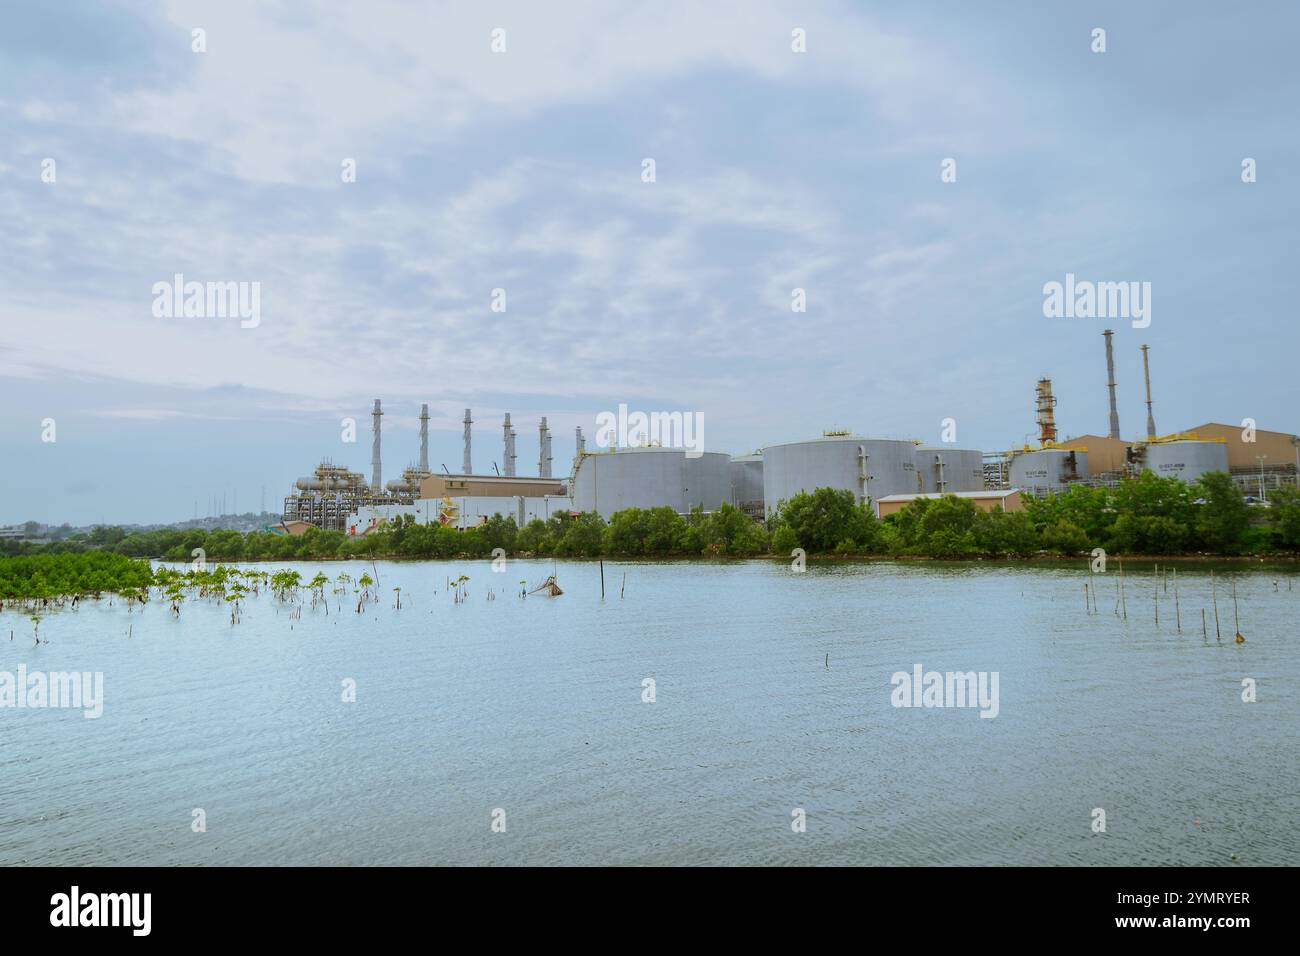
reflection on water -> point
(772, 692)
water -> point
(535, 707)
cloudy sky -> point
(522, 170)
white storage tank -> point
(1187, 459)
(869, 467)
(610, 481)
(747, 482)
(950, 470)
(1047, 469)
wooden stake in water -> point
(1178, 611)
(1204, 633)
(1155, 593)
(602, 579)
(1214, 596)
(1123, 597)
(1236, 621)
(623, 587)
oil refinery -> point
(871, 468)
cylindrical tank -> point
(606, 482)
(950, 469)
(1187, 459)
(747, 481)
(869, 467)
(1047, 469)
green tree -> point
(1284, 517)
(1222, 520)
(1064, 537)
(1005, 533)
(583, 536)
(827, 516)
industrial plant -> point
(883, 473)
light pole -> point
(1261, 458)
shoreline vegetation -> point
(1145, 518)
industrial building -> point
(1105, 454)
(1276, 451)
(984, 500)
(336, 498)
(747, 484)
(949, 470)
(1183, 457)
(886, 472)
(1041, 471)
(1253, 457)
(868, 467)
(650, 477)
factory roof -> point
(956, 494)
(478, 486)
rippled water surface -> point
(772, 693)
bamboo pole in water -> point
(1214, 596)
(602, 579)
(1236, 621)
(1178, 611)
(1123, 598)
(1204, 633)
(1155, 593)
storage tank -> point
(747, 483)
(1187, 459)
(946, 469)
(610, 481)
(869, 467)
(1047, 469)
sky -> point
(523, 170)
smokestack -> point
(510, 448)
(580, 446)
(468, 469)
(1110, 375)
(376, 469)
(544, 450)
(424, 438)
(1046, 412)
(1146, 371)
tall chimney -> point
(544, 450)
(1046, 405)
(579, 447)
(509, 453)
(1146, 371)
(468, 469)
(376, 469)
(1110, 374)
(424, 438)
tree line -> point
(1144, 515)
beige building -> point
(1279, 448)
(1104, 454)
(489, 486)
(984, 500)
